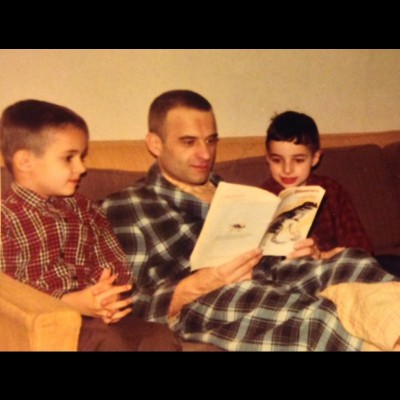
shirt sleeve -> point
(107, 252)
(350, 232)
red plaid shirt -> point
(337, 223)
(57, 245)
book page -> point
(237, 220)
(292, 220)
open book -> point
(244, 217)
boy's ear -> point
(316, 157)
(154, 143)
(22, 160)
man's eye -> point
(213, 140)
(188, 142)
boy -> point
(293, 149)
(58, 241)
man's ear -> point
(154, 143)
(316, 157)
(22, 160)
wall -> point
(344, 90)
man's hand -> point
(209, 279)
(239, 269)
(308, 247)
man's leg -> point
(128, 334)
(390, 263)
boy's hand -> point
(303, 248)
(102, 300)
(308, 247)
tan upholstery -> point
(32, 320)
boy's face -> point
(58, 170)
(188, 148)
(290, 164)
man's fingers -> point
(240, 267)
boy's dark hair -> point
(291, 126)
(167, 101)
(22, 126)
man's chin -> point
(200, 180)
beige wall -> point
(344, 90)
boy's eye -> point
(299, 160)
(275, 160)
(68, 158)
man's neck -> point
(204, 192)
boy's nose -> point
(80, 167)
(288, 168)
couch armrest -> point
(32, 320)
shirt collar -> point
(31, 198)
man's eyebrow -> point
(212, 136)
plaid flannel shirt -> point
(279, 309)
(57, 245)
(337, 223)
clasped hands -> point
(102, 300)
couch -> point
(366, 164)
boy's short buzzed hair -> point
(291, 126)
(167, 101)
(22, 126)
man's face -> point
(186, 152)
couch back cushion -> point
(247, 171)
(96, 184)
(364, 172)
(392, 156)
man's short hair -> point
(167, 101)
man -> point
(244, 304)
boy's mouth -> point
(288, 181)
